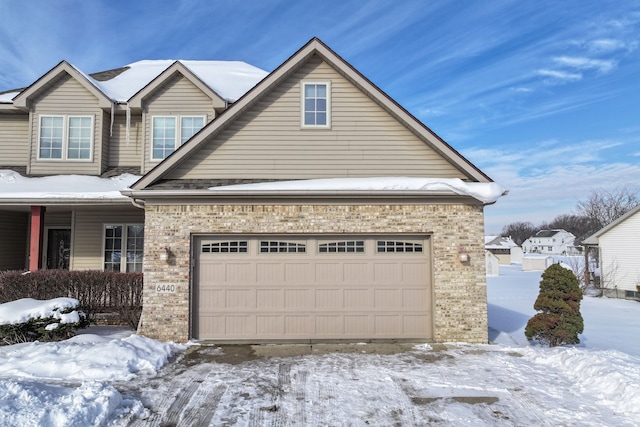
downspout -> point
(138, 204)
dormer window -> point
(167, 136)
(316, 105)
(65, 137)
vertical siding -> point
(67, 96)
(14, 234)
(121, 152)
(14, 140)
(268, 142)
(619, 252)
(178, 97)
(88, 234)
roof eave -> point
(201, 195)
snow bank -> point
(13, 185)
(86, 357)
(486, 192)
(612, 376)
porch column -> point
(36, 238)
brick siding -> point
(459, 289)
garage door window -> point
(239, 246)
(388, 246)
(347, 246)
(274, 247)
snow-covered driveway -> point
(453, 385)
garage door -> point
(299, 288)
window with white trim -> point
(123, 247)
(166, 136)
(316, 105)
(65, 137)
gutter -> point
(294, 194)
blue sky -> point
(544, 96)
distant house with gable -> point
(504, 248)
(552, 242)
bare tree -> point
(519, 231)
(603, 207)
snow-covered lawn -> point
(118, 379)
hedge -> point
(97, 291)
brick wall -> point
(459, 289)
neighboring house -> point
(314, 208)
(555, 242)
(618, 246)
(504, 248)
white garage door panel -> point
(249, 288)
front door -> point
(58, 248)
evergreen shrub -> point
(559, 320)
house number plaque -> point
(166, 288)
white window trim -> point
(303, 84)
(178, 136)
(65, 138)
(123, 247)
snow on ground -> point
(114, 378)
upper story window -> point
(316, 104)
(167, 135)
(65, 138)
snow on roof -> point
(498, 242)
(229, 79)
(7, 97)
(486, 192)
(15, 186)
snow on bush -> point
(29, 319)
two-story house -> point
(302, 204)
(552, 242)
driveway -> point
(360, 385)
(291, 385)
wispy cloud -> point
(582, 63)
(558, 75)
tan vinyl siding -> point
(14, 232)
(66, 96)
(121, 152)
(88, 234)
(268, 142)
(14, 140)
(179, 97)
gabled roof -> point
(223, 81)
(24, 98)
(313, 47)
(549, 233)
(593, 239)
